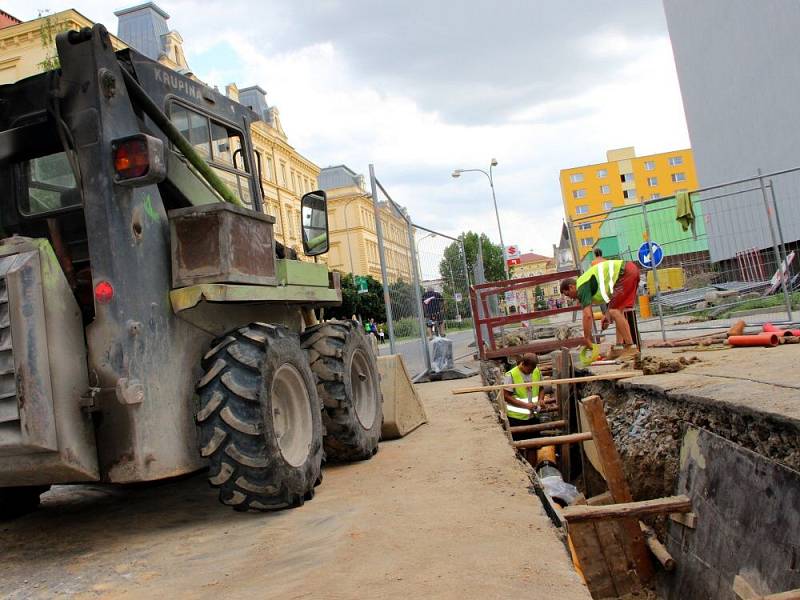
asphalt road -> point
(411, 350)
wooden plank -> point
(571, 438)
(743, 589)
(563, 400)
(590, 556)
(604, 377)
(789, 595)
(612, 544)
(688, 520)
(617, 485)
(643, 508)
(600, 499)
(537, 427)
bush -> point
(407, 327)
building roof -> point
(7, 20)
(339, 176)
(533, 257)
(143, 27)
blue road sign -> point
(647, 261)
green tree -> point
(47, 35)
(365, 306)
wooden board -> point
(748, 522)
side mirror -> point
(314, 214)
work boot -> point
(631, 351)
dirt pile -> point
(655, 365)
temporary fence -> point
(425, 282)
(737, 255)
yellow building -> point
(351, 220)
(623, 179)
(285, 174)
(536, 264)
(28, 48)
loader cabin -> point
(44, 198)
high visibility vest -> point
(515, 412)
(606, 273)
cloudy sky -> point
(422, 87)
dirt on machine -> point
(150, 324)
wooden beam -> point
(657, 548)
(688, 520)
(659, 506)
(537, 427)
(588, 378)
(788, 595)
(617, 484)
(572, 438)
(600, 499)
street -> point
(411, 350)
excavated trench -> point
(648, 429)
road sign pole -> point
(655, 270)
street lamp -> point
(457, 173)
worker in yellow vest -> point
(611, 282)
(522, 403)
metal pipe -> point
(384, 275)
(176, 137)
(655, 271)
(782, 273)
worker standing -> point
(613, 282)
(522, 403)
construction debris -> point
(655, 365)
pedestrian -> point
(381, 335)
(611, 282)
(373, 328)
(522, 403)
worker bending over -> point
(611, 282)
(522, 403)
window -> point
(283, 174)
(50, 185)
(602, 173)
(584, 226)
(655, 196)
(649, 165)
(608, 205)
(676, 177)
(652, 181)
(604, 189)
(219, 145)
(576, 177)
(674, 161)
(626, 177)
(270, 173)
(582, 209)
(589, 241)
(628, 194)
(581, 193)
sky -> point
(422, 87)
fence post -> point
(574, 247)
(384, 275)
(787, 299)
(655, 270)
(466, 290)
(778, 223)
(418, 297)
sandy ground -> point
(443, 513)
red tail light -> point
(103, 292)
(131, 158)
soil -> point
(746, 395)
(443, 513)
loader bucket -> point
(402, 410)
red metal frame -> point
(479, 295)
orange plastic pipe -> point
(770, 328)
(768, 338)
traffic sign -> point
(361, 284)
(648, 261)
(457, 296)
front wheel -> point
(348, 383)
(259, 419)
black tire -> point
(18, 501)
(353, 414)
(238, 418)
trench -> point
(747, 504)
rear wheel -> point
(259, 418)
(18, 501)
(349, 385)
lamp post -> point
(457, 173)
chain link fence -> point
(426, 285)
(735, 259)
